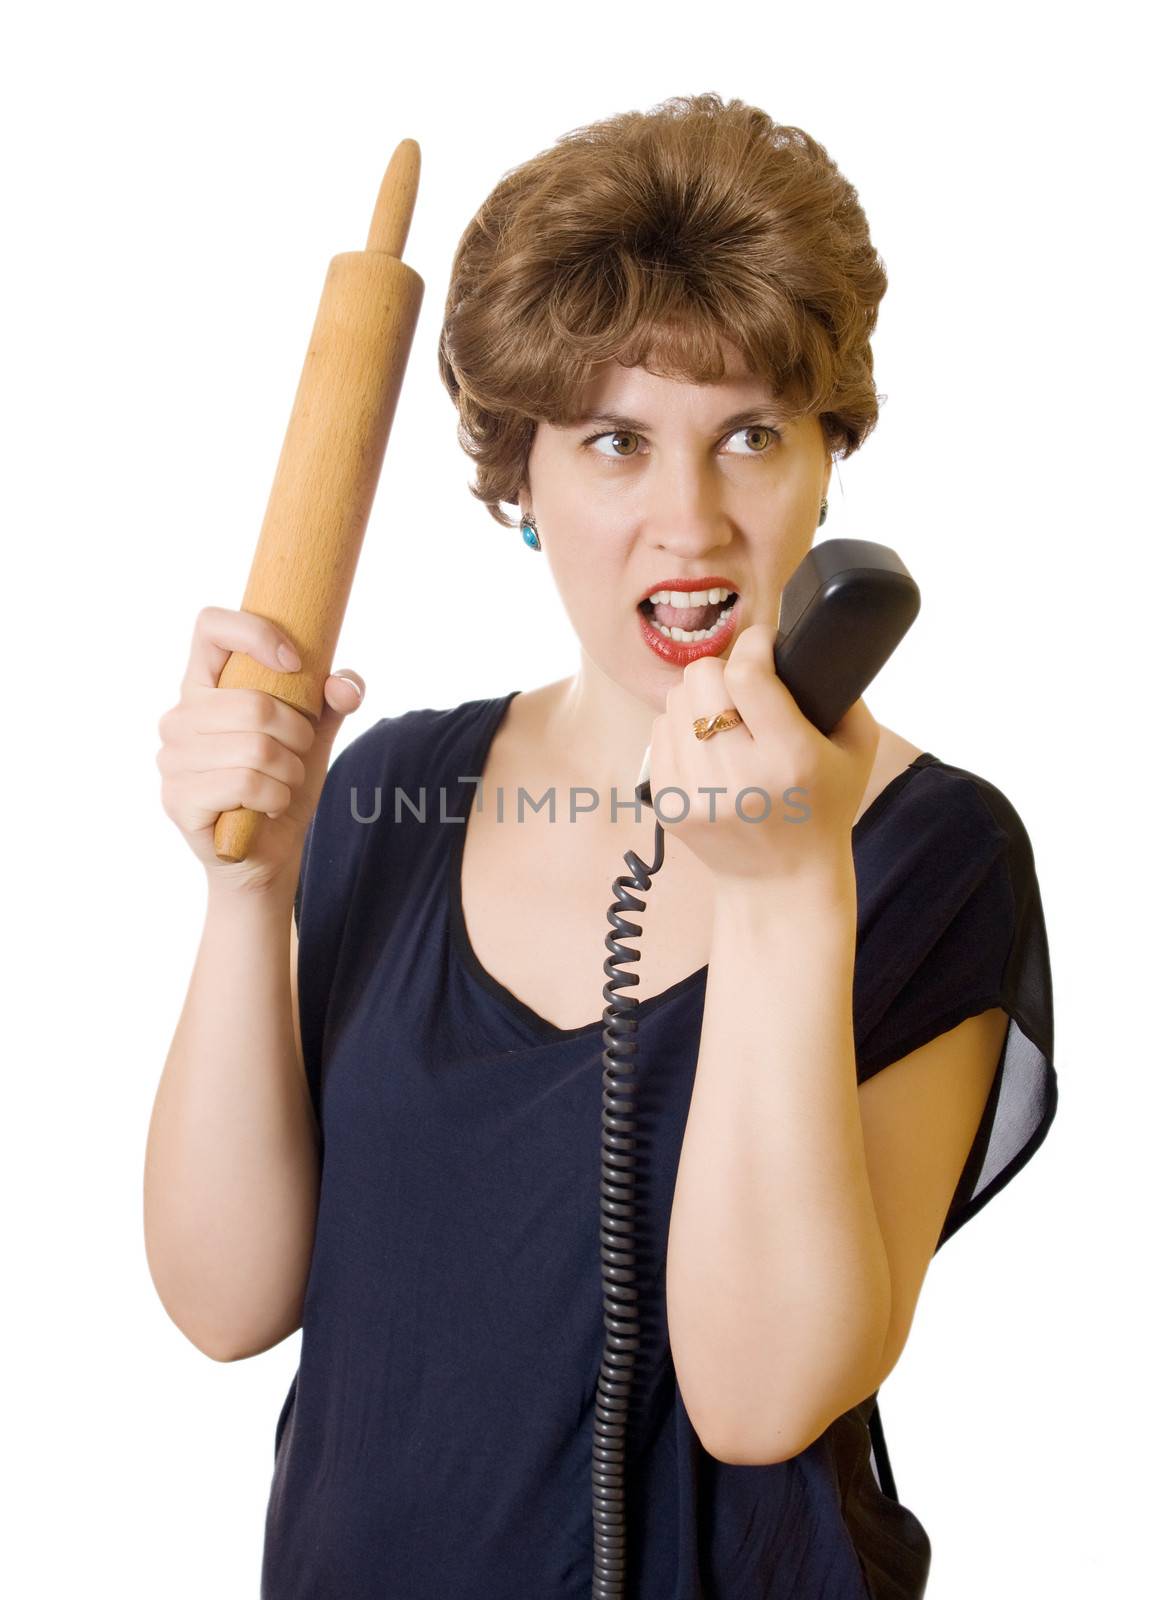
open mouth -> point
(689, 624)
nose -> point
(686, 516)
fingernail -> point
(352, 683)
(288, 657)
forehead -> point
(644, 393)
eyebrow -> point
(614, 419)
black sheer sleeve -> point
(956, 929)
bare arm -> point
(231, 1171)
(777, 1279)
(806, 1209)
(231, 1166)
(777, 1286)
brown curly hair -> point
(655, 237)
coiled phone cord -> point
(618, 1209)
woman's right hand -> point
(223, 748)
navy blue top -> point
(435, 1442)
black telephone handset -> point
(843, 612)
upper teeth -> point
(687, 597)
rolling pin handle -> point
(395, 201)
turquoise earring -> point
(824, 511)
(529, 532)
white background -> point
(176, 182)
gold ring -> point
(706, 727)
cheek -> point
(593, 587)
(585, 559)
(588, 588)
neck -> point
(597, 729)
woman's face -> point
(665, 483)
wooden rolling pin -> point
(330, 462)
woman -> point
(657, 338)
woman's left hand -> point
(774, 749)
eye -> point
(620, 434)
(763, 435)
(762, 430)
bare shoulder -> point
(532, 707)
(892, 757)
(895, 751)
(526, 723)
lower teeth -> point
(679, 636)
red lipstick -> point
(679, 653)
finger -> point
(197, 799)
(248, 711)
(344, 691)
(705, 693)
(700, 764)
(211, 752)
(219, 633)
(754, 688)
(702, 690)
(341, 698)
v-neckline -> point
(459, 933)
